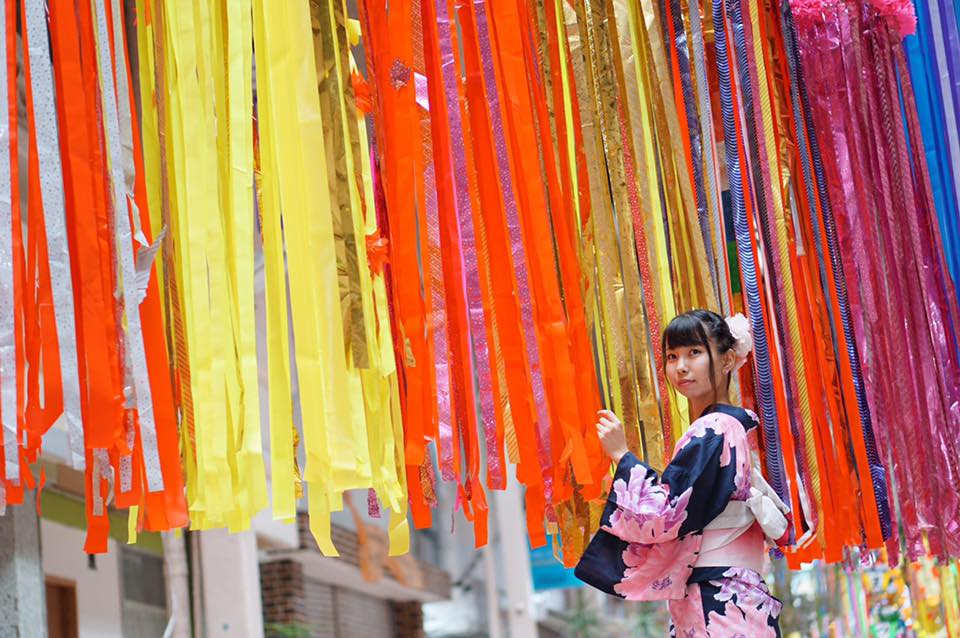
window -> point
(144, 594)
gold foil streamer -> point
(619, 131)
(651, 199)
(332, 82)
(609, 284)
(694, 287)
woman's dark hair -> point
(697, 328)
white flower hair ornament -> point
(743, 339)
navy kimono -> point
(674, 538)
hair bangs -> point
(684, 331)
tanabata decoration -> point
(933, 57)
(470, 243)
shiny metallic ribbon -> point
(838, 178)
(513, 225)
(606, 51)
(101, 472)
(918, 450)
(638, 185)
(618, 296)
(891, 435)
(8, 320)
(126, 127)
(333, 82)
(681, 50)
(654, 262)
(778, 250)
(940, 303)
(800, 116)
(934, 57)
(711, 178)
(861, 223)
(433, 269)
(51, 187)
(738, 192)
(471, 286)
(881, 315)
(689, 252)
(822, 233)
(135, 353)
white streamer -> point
(8, 351)
(55, 221)
(136, 357)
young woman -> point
(697, 535)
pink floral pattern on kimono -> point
(651, 532)
(645, 512)
(659, 571)
(740, 622)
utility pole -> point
(23, 607)
(515, 562)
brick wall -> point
(407, 620)
(292, 600)
(282, 591)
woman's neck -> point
(699, 404)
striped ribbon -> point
(738, 191)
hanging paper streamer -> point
(546, 184)
(933, 56)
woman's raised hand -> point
(612, 437)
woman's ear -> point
(729, 361)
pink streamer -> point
(468, 246)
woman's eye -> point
(671, 357)
(695, 351)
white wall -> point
(98, 590)
(231, 584)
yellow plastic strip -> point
(283, 467)
(198, 238)
(336, 443)
(132, 517)
(234, 33)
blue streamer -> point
(925, 75)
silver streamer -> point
(55, 222)
(136, 358)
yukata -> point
(692, 536)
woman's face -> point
(688, 370)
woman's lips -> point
(685, 382)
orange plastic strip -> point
(167, 509)
(83, 175)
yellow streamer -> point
(234, 31)
(283, 468)
(335, 438)
(193, 187)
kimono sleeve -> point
(693, 490)
(649, 518)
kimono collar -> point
(747, 418)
